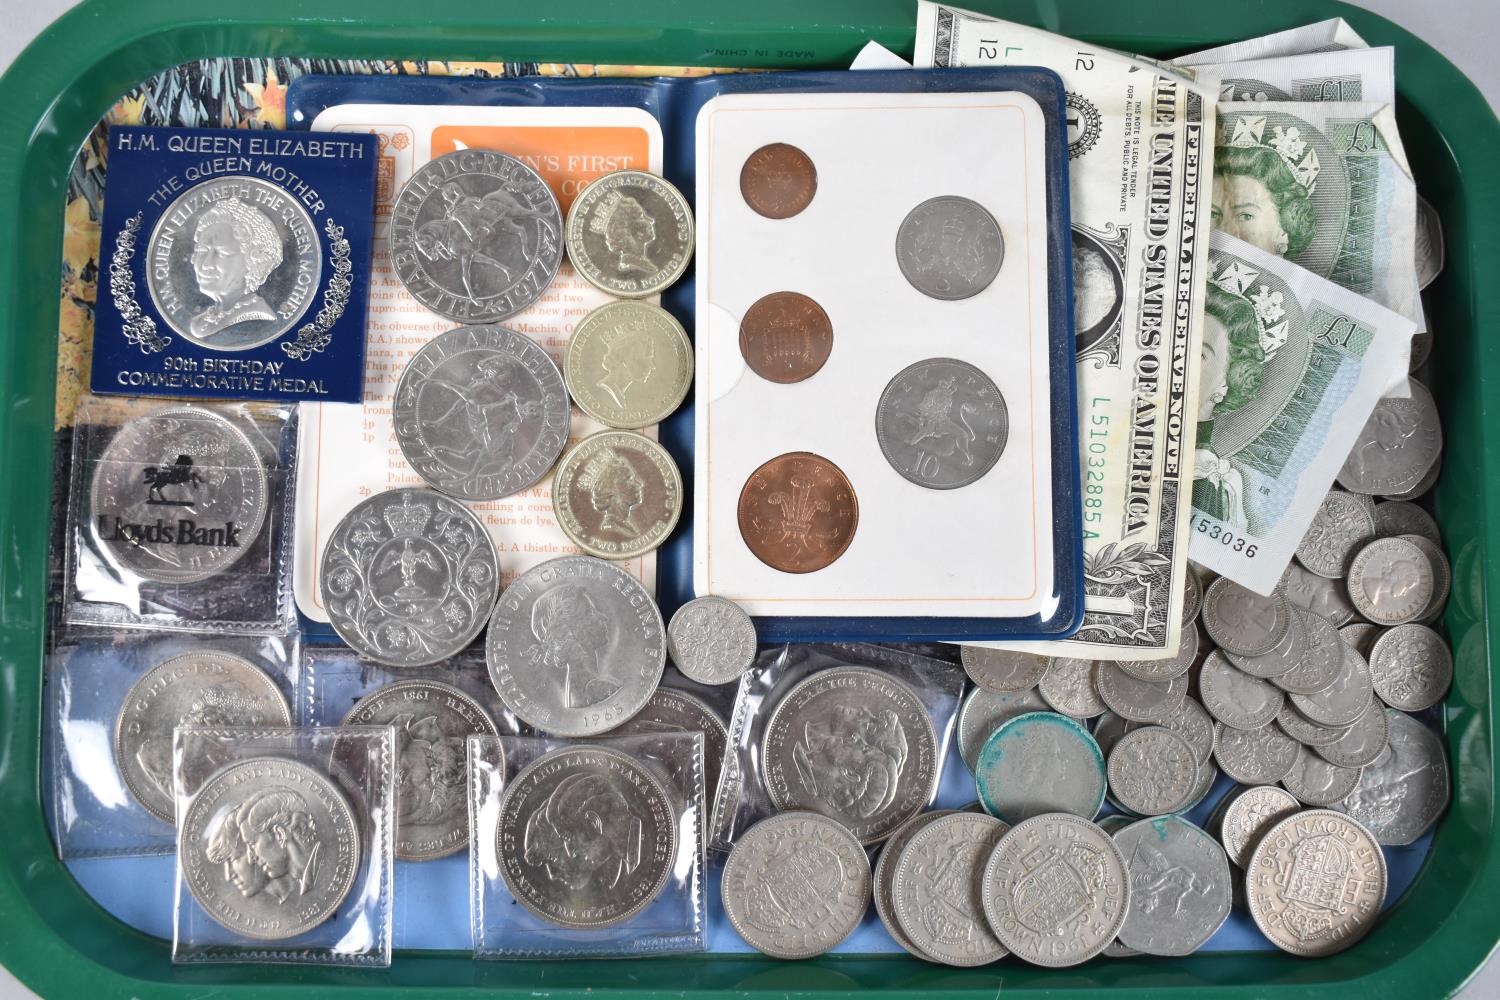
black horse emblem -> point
(179, 473)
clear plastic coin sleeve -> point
(285, 845)
(111, 702)
(861, 749)
(179, 516)
(586, 848)
(719, 698)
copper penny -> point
(778, 180)
(785, 337)
(798, 512)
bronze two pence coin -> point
(778, 180)
(798, 512)
(785, 337)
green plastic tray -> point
(55, 939)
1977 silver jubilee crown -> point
(941, 423)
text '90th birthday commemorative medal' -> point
(236, 264)
(476, 236)
(179, 495)
(409, 577)
(630, 233)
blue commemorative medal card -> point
(235, 264)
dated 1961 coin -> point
(885, 876)
(586, 837)
(1316, 883)
(711, 640)
(941, 423)
(1040, 763)
(949, 247)
(798, 512)
(936, 889)
(480, 412)
(575, 646)
(1179, 886)
(984, 711)
(778, 180)
(178, 495)
(1391, 581)
(617, 494)
(796, 884)
(269, 848)
(1002, 671)
(233, 263)
(786, 337)
(476, 236)
(629, 364)
(1403, 791)
(409, 577)
(204, 688)
(630, 233)
(1248, 816)
(669, 710)
(432, 722)
(853, 744)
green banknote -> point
(1367, 75)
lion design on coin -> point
(852, 759)
(235, 249)
(937, 420)
(571, 633)
(585, 832)
(268, 843)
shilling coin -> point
(617, 494)
(1153, 771)
(798, 512)
(1304, 730)
(586, 837)
(269, 848)
(1391, 581)
(476, 236)
(1234, 697)
(1342, 524)
(1364, 741)
(178, 495)
(885, 875)
(669, 710)
(795, 885)
(853, 744)
(936, 889)
(1002, 671)
(1321, 659)
(983, 712)
(480, 412)
(1242, 621)
(786, 337)
(1316, 782)
(1399, 444)
(1411, 666)
(1429, 243)
(1179, 886)
(1138, 700)
(629, 364)
(1068, 686)
(630, 233)
(409, 577)
(1260, 756)
(941, 423)
(778, 180)
(1192, 598)
(1056, 890)
(1442, 576)
(1361, 637)
(949, 247)
(432, 723)
(575, 646)
(1403, 792)
(1350, 890)
(205, 688)
(1158, 671)
(1040, 763)
(1346, 699)
(711, 640)
(1249, 815)
(1319, 595)
(234, 262)
(1402, 517)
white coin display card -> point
(983, 549)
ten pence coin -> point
(941, 423)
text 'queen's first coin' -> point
(617, 494)
(798, 512)
(630, 233)
(941, 423)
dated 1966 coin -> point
(778, 180)
(796, 884)
(617, 494)
(233, 263)
(586, 837)
(409, 577)
(269, 848)
(798, 512)
(1179, 886)
(785, 337)
(1391, 581)
(1402, 792)
(1040, 763)
(1056, 890)
(1248, 816)
(476, 236)
(983, 712)
(629, 364)
(1316, 883)
(1002, 671)
(669, 710)
(480, 412)
(949, 247)
(432, 722)
(575, 646)
(853, 744)
(178, 495)
(936, 889)
(711, 640)
(885, 876)
(204, 688)
(941, 423)
(630, 233)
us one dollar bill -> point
(1367, 75)
(1292, 366)
(1331, 35)
(1139, 143)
